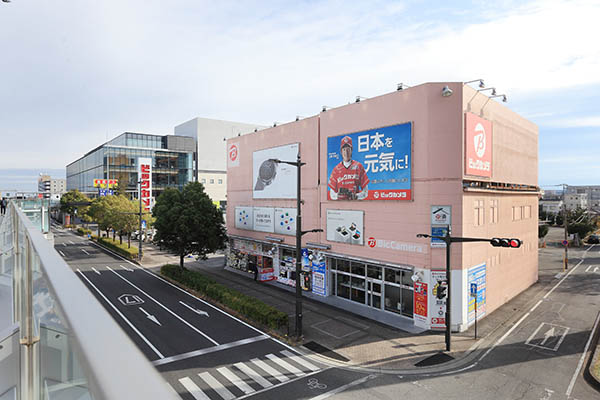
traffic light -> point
(505, 242)
(441, 290)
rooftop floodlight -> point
(446, 91)
(402, 86)
(481, 84)
(325, 108)
(298, 117)
(359, 98)
(274, 124)
(493, 89)
(504, 99)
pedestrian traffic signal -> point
(505, 242)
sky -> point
(78, 73)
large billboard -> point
(478, 146)
(345, 226)
(271, 180)
(266, 219)
(145, 176)
(244, 218)
(370, 165)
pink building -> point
(379, 172)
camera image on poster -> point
(345, 226)
(272, 180)
(370, 165)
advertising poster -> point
(438, 306)
(477, 275)
(438, 231)
(244, 218)
(145, 177)
(370, 165)
(319, 278)
(285, 221)
(273, 180)
(263, 219)
(478, 146)
(345, 226)
(420, 302)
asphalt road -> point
(204, 353)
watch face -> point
(266, 174)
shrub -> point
(248, 306)
(542, 231)
(122, 249)
(84, 231)
(583, 229)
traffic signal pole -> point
(496, 242)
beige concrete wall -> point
(215, 190)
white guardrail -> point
(56, 340)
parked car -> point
(593, 239)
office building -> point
(379, 172)
(51, 188)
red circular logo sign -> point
(371, 242)
(233, 152)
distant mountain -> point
(25, 180)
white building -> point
(574, 201)
(210, 167)
(591, 192)
(51, 188)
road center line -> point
(200, 352)
(158, 353)
(85, 252)
(561, 281)
(580, 364)
(166, 308)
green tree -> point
(68, 203)
(188, 222)
(542, 231)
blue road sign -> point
(143, 224)
(473, 289)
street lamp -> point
(299, 233)
(496, 242)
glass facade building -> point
(173, 162)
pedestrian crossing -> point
(245, 378)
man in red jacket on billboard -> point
(348, 180)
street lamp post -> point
(565, 224)
(299, 233)
(515, 243)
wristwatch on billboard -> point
(266, 174)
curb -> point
(593, 377)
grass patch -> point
(119, 248)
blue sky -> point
(76, 73)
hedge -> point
(84, 231)
(248, 306)
(122, 249)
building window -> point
(203, 180)
(220, 181)
(212, 181)
(526, 212)
(493, 211)
(516, 213)
(479, 211)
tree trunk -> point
(181, 257)
(120, 237)
(128, 240)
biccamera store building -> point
(378, 172)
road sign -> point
(473, 290)
(130, 299)
(143, 224)
(565, 242)
(440, 230)
(441, 215)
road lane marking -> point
(158, 353)
(561, 281)
(270, 370)
(125, 268)
(70, 241)
(258, 378)
(193, 389)
(150, 317)
(588, 268)
(199, 312)
(64, 244)
(166, 308)
(283, 383)
(85, 252)
(300, 360)
(344, 387)
(285, 365)
(214, 349)
(236, 380)
(61, 253)
(580, 364)
(96, 271)
(216, 386)
(552, 332)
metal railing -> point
(56, 340)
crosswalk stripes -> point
(223, 383)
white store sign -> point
(263, 219)
(441, 215)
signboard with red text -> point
(145, 177)
(478, 146)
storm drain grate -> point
(318, 348)
(435, 359)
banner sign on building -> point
(263, 219)
(345, 226)
(478, 146)
(233, 155)
(370, 165)
(439, 230)
(477, 276)
(420, 302)
(145, 177)
(319, 278)
(244, 218)
(438, 306)
(285, 221)
(105, 183)
(273, 180)
(441, 215)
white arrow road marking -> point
(126, 269)
(547, 336)
(150, 317)
(199, 312)
(96, 271)
(85, 252)
(166, 308)
(158, 353)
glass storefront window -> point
(358, 268)
(406, 278)
(343, 265)
(393, 275)
(374, 272)
(343, 286)
(392, 298)
(407, 302)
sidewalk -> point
(349, 340)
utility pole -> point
(140, 230)
(566, 225)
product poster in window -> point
(370, 165)
(345, 226)
(477, 276)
